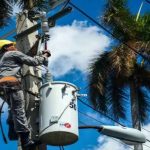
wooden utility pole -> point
(31, 78)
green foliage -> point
(5, 12)
(30, 4)
(123, 24)
(143, 28)
(6, 8)
(112, 71)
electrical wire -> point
(85, 14)
(82, 122)
(103, 123)
(90, 117)
(1, 127)
(146, 145)
(61, 147)
(147, 1)
(145, 129)
(66, 4)
(112, 118)
(104, 114)
(100, 121)
(113, 35)
(100, 112)
(109, 137)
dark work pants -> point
(15, 100)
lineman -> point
(11, 61)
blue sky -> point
(75, 41)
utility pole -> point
(31, 77)
(26, 38)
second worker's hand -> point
(46, 53)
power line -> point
(100, 112)
(145, 129)
(101, 26)
(90, 117)
(110, 137)
(8, 34)
(61, 147)
(97, 121)
(107, 115)
(104, 115)
(102, 122)
(147, 1)
(146, 145)
(82, 122)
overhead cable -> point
(105, 115)
(147, 1)
(90, 117)
(96, 127)
(113, 35)
(100, 112)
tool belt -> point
(9, 81)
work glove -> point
(46, 53)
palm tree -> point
(5, 12)
(115, 71)
(6, 8)
(33, 4)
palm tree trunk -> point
(135, 111)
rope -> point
(1, 127)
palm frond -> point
(98, 100)
(118, 17)
(5, 12)
(144, 104)
(115, 95)
(31, 4)
(142, 75)
(98, 74)
(143, 28)
(103, 70)
(123, 24)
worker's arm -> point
(31, 61)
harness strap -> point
(9, 80)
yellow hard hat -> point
(6, 42)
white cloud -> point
(146, 131)
(73, 46)
(108, 143)
(16, 9)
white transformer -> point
(58, 113)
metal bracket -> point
(54, 119)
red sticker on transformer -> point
(67, 125)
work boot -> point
(26, 142)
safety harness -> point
(9, 80)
